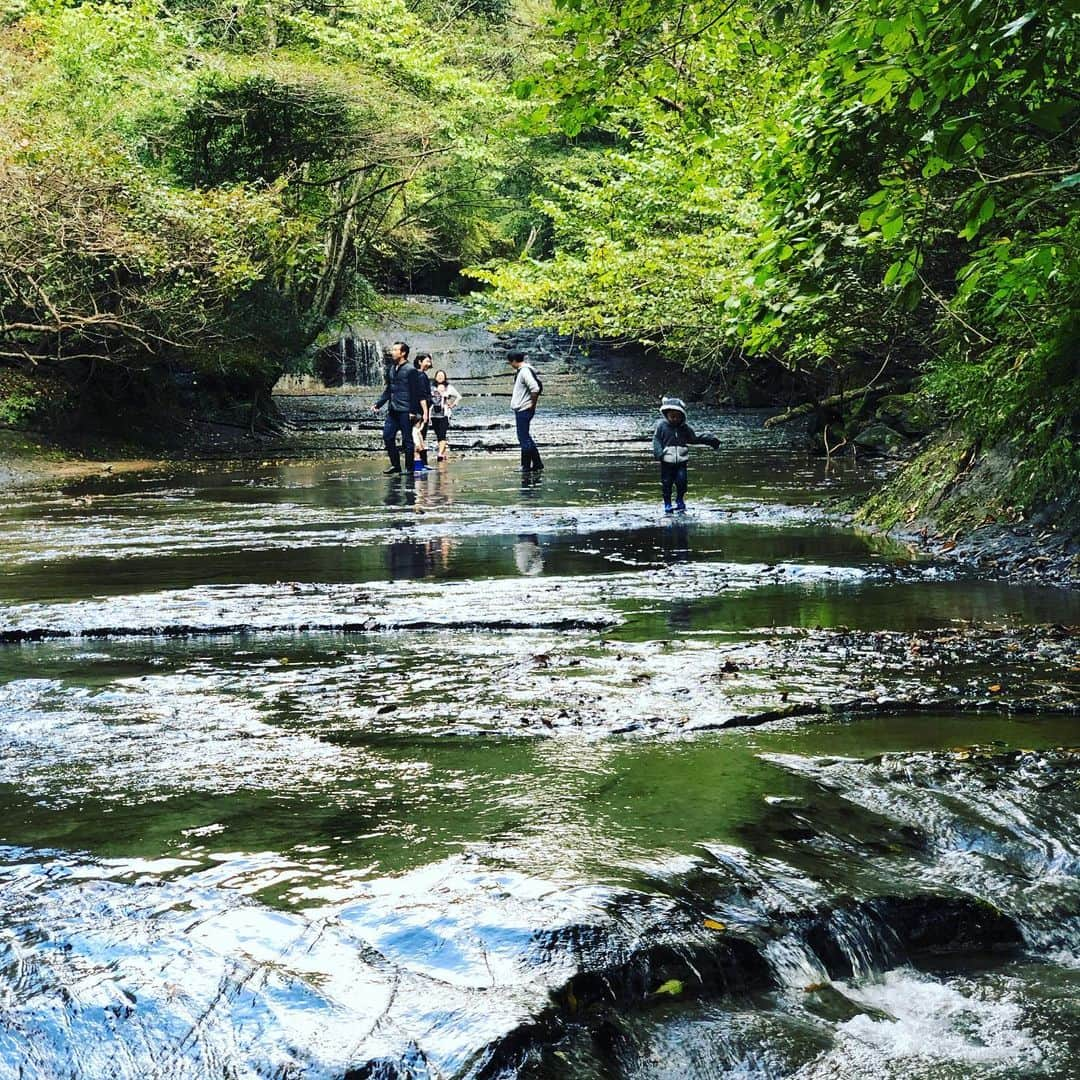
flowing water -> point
(308, 772)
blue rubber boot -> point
(668, 508)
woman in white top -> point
(444, 399)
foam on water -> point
(933, 1024)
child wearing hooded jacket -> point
(672, 437)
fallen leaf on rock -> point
(673, 988)
(713, 924)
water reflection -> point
(399, 491)
(530, 486)
(435, 489)
(675, 541)
(527, 555)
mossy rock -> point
(907, 413)
(879, 438)
(920, 486)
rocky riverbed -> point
(307, 772)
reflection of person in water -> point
(680, 616)
(675, 542)
(396, 496)
(412, 559)
(433, 489)
(527, 555)
(408, 559)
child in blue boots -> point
(670, 444)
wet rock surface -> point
(305, 773)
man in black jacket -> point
(402, 394)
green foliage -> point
(1022, 386)
(211, 184)
(443, 12)
(860, 192)
(17, 410)
(643, 249)
(251, 127)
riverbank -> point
(948, 499)
(1032, 551)
(28, 462)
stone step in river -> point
(308, 773)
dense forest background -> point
(865, 201)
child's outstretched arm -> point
(701, 440)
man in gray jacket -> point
(523, 401)
(402, 394)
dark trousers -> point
(673, 476)
(530, 454)
(523, 418)
(398, 421)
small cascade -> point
(361, 360)
(794, 964)
(849, 942)
(347, 357)
(998, 826)
(350, 361)
(367, 361)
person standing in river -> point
(523, 401)
(402, 398)
(444, 399)
(422, 363)
(671, 440)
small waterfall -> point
(794, 964)
(367, 361)
(851, 943)
(350, 361)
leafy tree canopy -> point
(857, 190)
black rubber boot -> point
(526, 461)
(534, 457)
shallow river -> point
(310, 773)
